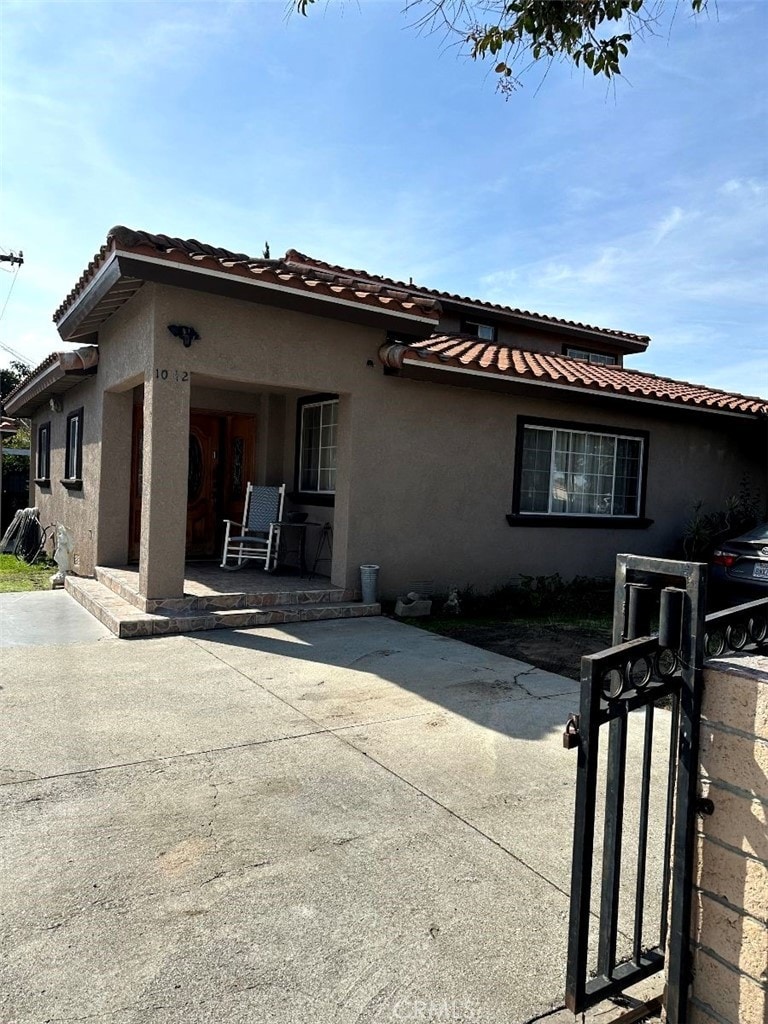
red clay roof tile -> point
(299, 259)
(469, 354)
(192, 252)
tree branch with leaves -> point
(593, 34)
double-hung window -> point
(569, 470)
(43, 460)
(318, 427)
(73, 459)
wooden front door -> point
(203, 483)
(222, 459)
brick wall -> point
(730, 906)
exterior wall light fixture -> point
(187, 334)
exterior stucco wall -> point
(435, 467)
(74, 509)
(97, 514)
(425, 470)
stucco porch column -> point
(114, 478)
(164, 486)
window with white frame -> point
(566, 471)
(73, 461)
(318, 425)
(43, 461)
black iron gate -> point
(661, 637)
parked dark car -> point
(738, 569)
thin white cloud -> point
(667, 224)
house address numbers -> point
(164, 374)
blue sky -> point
(354, 138)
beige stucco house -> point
(449, 440)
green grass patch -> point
(17, 576)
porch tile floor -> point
(213, 599)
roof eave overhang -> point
(52, 380)
(415, 368)
(124, 273)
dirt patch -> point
(554, 647)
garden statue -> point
(452, 605)
(62, 556)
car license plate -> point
(760, 571)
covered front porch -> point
(190, 464)
(212, 599)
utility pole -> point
(11, 258)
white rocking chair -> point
(258, 536)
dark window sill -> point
(73, 484)
(581, 522)
(304, 498)
(43, 481)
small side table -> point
(287, 524)
(325, 543)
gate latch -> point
(571, 733)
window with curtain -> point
(570, 472)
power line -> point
(16, 355)
(13, 282)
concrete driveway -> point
(333, 822)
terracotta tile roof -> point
(190, 252)
(294, 258)
(468, 353)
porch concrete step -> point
(245, 618)
(245, 593)
(125, 620)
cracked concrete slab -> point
(81, 708)
(299, 882)
(353, 821)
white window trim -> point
(587, 433)
(304, 408)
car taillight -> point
(723, 558)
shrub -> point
(536, 596)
